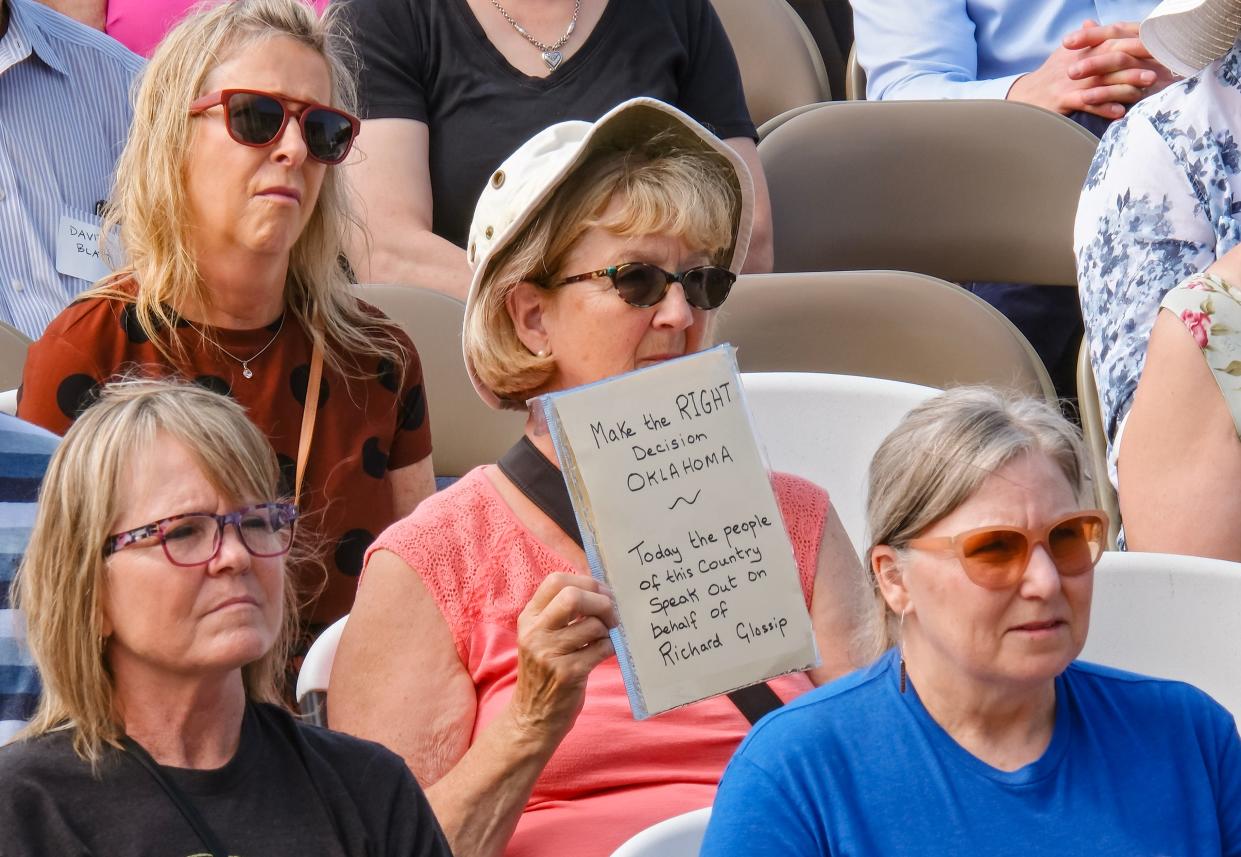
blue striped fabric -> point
(24, 453)
(64, 114)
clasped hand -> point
(1097, 69)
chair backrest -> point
(826, 428)
(312, 678)
(814, 14)
(1096, 441)
(13, 346)
(961, 190)
(679, 836)
(779, 61)
(776, 121)
(855, 77)
(881, 324)
(1170, 616)
(464, 431)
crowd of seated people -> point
(246, 450)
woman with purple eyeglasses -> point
(160, 616)
(229, 212)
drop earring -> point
(901, 632)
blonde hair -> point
(946, 447)
(664, 187)
(60, 585)
(150, 201)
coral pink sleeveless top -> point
(611, 776)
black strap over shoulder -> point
(179, 799)
(544, 485)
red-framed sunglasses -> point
(996, 557)
(256, 118)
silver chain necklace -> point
(246, 371)
(551, 53)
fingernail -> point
(1148, 77)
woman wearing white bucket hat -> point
(1162, 206)
(517, 704)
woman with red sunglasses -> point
(979, 733)
(228, 214)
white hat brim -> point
(1188, 35)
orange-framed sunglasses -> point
(996, 557)
(257, 119)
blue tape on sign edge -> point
(632, 689)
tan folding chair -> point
(464, 432)
(880, 324)
(776, 121)
(961, 190)
(13, 346)
(818, 21)
(855, 78)
(780, 63)
(1096, 441)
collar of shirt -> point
(25, 38)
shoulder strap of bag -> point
(544, 485)
(309, 411)
(179, 799)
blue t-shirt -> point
(1136, 766)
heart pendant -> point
(552, 58)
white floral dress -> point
(1161, 202)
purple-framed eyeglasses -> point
(194, 538)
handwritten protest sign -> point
(679, 519)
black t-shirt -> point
(263, 803)
(430, 60)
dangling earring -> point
(901, 631)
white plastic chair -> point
(679, 836)
(826, 428)
(312, 679)
(1171, 616)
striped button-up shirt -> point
(64, 114)
(24, 453)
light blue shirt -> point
(24, 454)
(64, 115)
(927, 49)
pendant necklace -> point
(551, 53)
(246, 371)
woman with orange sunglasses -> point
(979, 732)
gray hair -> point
(945, 448)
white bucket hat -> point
(517, 191)
(1188, 35)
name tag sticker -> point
(77, 250)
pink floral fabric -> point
(1210, 309)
